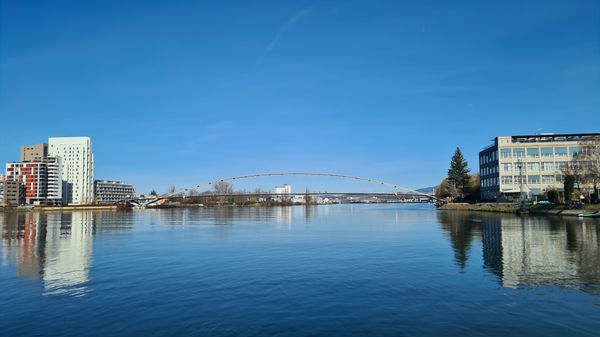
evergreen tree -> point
(568, 188)
(458, 173)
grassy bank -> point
(482, 207)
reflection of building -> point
(529, 251)
(21, 235)
(53, 247)
(283, 215)
(536, 159)
(537, 252)
(68, 252)
(110, 192)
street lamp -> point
(522, 195)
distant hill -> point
(427, 190)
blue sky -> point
(181, 92)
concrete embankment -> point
(561, 210)
(60, 208)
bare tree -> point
(192, 192)
(223, 187)
(171, 189)
(590, 162)
(259, 190)
(447, 190)
(574, 171)
(584, 167)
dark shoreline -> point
(513, 208)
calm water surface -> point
(380, 270)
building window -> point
(560, 151)
(535, 179)
(505, 153)
(547, 166)
(507, 180)
(533, 166)
(561, 165)
(533, 152)
(547, 152)
(519, 153)
(547, 179)
(575, 150)
(559, 179)
(507, 167)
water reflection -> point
(282, 216)
(529, 251)
(55, 248)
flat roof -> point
(552, 137)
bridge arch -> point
(394, 187)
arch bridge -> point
(395, 190)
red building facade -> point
(33, 176)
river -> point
(337, 270)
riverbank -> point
(59, 208)
(561, 210)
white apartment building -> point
(285, 189)
(77, 168)
(533, 162)
(54, 184)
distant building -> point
(77, 168)
(34, 153)
(298, 199)
(109, 191)
(33, 177)
(533, 161)
(285, 189)
(13, 193)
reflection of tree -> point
(588, 257)
(310, 212)
(462, 227)
(491, 237)
(223, 215)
